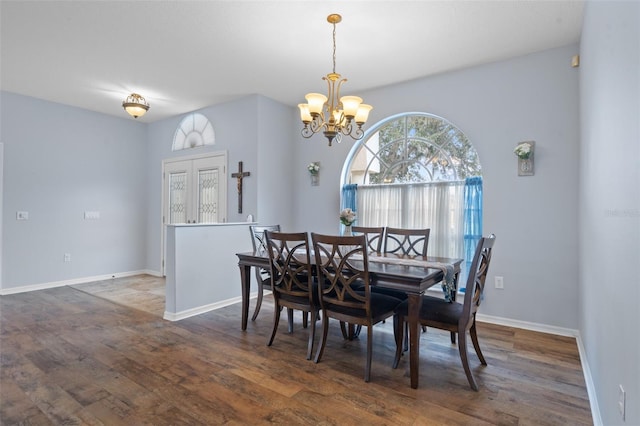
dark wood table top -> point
(387, 270)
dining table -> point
(410, 274)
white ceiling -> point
(185, 55)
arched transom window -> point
(414, 148)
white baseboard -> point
(591, 389)
(543, 328)
(75, 281)
(170, 316)
(568, 332)
(177, 316)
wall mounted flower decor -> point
(314, 172)
(525, 153)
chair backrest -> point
(476, 279)
(342, 268)
(413, 242)
(374, 236)
(257, 237)
(289, 256)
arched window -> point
(417, 170)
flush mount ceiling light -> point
(334, 115)
(135, 105)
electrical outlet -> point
(499, 282)
(22, 215)
(67, 257)
(622, 396)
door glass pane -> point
(178, 197)
(208, 196)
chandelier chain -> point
(334, 48)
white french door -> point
(194, 190)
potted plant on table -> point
(347, 218)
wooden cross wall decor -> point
(240, 175)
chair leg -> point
(305, 319)
(462, 347)
(343, 328)
(367, 368)
(276, 321)
(323, 339)
(258, 303)
(453, 337)
(312, 334)
(398, 329)
(290, 318)
(406, 336)
(476, 345)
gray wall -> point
(260, 142)
(610, 203)
(233, 134)
(59, 162)
(276, 163)
(534, 218)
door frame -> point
(222, 194)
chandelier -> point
(135, 105)
(334, 115)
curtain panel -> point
(472, 219)
(435, 205)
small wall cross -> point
(240, 175)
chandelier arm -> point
(359, 133)
(307, 132)
(330, 104)
(338, 92)
(317, 123)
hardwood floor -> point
(102, 354)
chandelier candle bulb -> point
(316, 102)
(305, 115)
(350, 105)
(363, 113)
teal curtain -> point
(349, 200)
(472, 220)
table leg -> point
(453, 298)
(415, 302)
(245, 280)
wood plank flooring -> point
(100, 353)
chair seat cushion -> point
(398, 294)
(434, 309)
(380, 304)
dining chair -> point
(262, 275)
(408, 242)
(344, 291)
(453, 316)
(292, 279)
(374, 236)
(405, 242)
